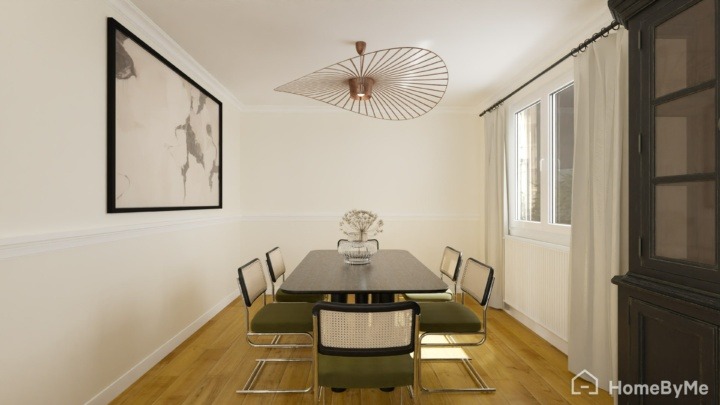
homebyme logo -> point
(580, 385)
(663, 388)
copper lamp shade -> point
(361, 88)
(390, 84)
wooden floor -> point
(216, 361)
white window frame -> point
(541, 91)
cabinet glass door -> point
(685, 49)
(683, 125)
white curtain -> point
(599, 206)
(495, 124)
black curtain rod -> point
(580, 48)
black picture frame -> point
(164, 132)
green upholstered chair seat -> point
(365, 372)
(450, 317)
(286, 317)
(430, 297)
(282, 296)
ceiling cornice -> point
(594, 24)
(326, 109)
(146, 29)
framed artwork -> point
(164, 132)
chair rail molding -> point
(334, 217)
(40, 243)
(46, 242)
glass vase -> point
(357, 251)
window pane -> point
(563, 143)
(528, 170)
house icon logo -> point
(580, 383)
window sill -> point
(542, 238)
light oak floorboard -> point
(216, 361)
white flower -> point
(360, 222)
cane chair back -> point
(276, 268)
(252, 281)
(450, 263)
(477, 281)
(366, 345)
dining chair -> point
(366, 346)
(450, 268)
(276, 268)
(274, 319)
(452, 319)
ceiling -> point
(254, 46)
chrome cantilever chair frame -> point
(481, 385)
(369, 351)
(275, 342)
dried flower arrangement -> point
(360, 224)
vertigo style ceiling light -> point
(391, 84)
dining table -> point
(389, 272)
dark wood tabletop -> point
(389, 271)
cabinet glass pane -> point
(685, 135)
(685, 49)
(685, 221)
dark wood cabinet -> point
(669, 301)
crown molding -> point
(326, 109)
(145, 28)
(593, 25)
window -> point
(540, 162)
(528, 163)
(563, 140)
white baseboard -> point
(132, 375)
(543, 332)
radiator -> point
(536, 283)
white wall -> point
(301, 171)
(86, 296)
(88, 300)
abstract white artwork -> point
(164, 132)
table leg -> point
(362, 298)
(383, 297)
(339, 298)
